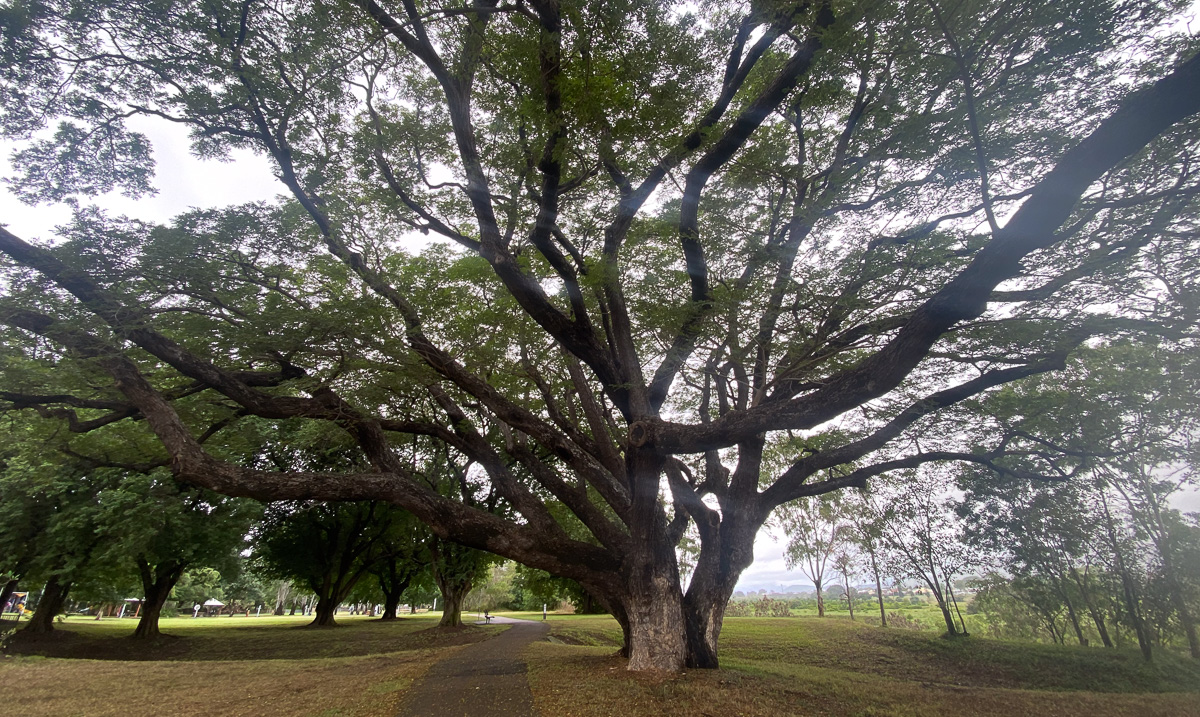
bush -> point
(904, 622)
(765, 607)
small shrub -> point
(904, 622)
(737, 608)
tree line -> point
(1095, 553)
(97, 537)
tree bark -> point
(727, 552)
(954, 601)
(655, 613)
(453, 592)
(943, 605)
(395, 576)
(820, 597)
(54, 596)
(324, 614)
(1186, 620)
(282, 593)
(951, 628)
(157, 584)
(391, 603)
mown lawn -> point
(831, 666)
(225, 666)
(789, 666)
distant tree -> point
(327, 546)
(924, 538)
(457, 570)
(539, 588)
(1109, 441)
(813, 527)
(397, 573)
(248, 589)
(495, 592)
(1015, 610)
(865, 531)
(164, 529)
(50, 516)
(844, 564)
(198, 585)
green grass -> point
(786, 666)
(226, 666)
(833, 666)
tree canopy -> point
(695, 260)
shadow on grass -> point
(226, 642)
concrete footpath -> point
(486, 679)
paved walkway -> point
(486, 679)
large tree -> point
(165, 529)
(682, 233)
(328, 546)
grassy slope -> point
(808, 666)
(226, 666)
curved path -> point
(486, 679)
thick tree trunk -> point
(704, 615)
(54, 596)
(147, 627)
(394, 579)
(156, 585)
(323, 615)
(655, 613)
(722, 559)
(652, 595)
(453, 594)
(391, 604)
(820, 597)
